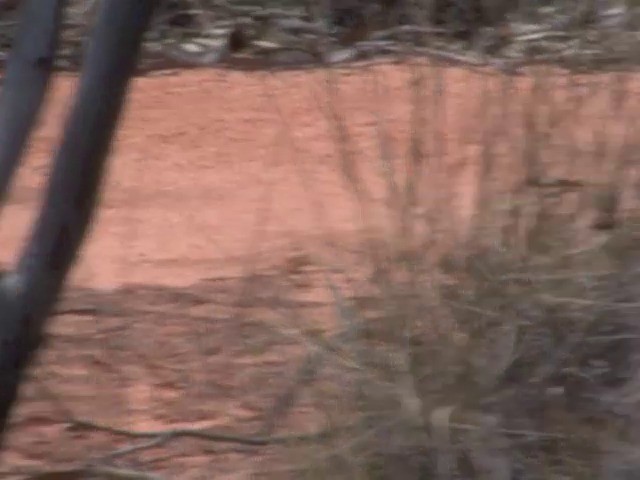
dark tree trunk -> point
(28, 293)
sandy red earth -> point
(216, 177)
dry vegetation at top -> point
(296, 33)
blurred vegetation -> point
(510, 352)
(575, 34)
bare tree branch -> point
(162, 436)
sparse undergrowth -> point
(498, 366)
(514, 354)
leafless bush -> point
(509, 352)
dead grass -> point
(510, 352)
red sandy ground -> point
(214, 175)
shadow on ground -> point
(213, 354)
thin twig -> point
(138, 447)
(85, 471)
(202, 434)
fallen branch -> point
(138, 447)
(164, 436)
(171, 434)
(88, 471)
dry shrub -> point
(524, 368)
(513, 354)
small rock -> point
(341, 55)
